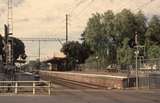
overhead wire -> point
(72, 9)
(82, 11)
(144, 5)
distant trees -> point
(18, 48)
(76, 53)
(153, 38)
(110, 35)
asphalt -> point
(62, 94)
(89, 96)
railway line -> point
(70, 84)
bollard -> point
(34, 90)
(49, 88)
(16, 88)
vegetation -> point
(111, 36)
(18, 49)
(76, 53)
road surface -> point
(88, 96)
(77, 94)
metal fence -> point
(149, 73)
(23, 87)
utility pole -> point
(39, 53)
(67, 39)
(67, 27)
(9, 31)
(10, 16)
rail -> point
(15, 85)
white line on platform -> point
(92, 75)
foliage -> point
(153, 31)
(125, 54)
(76, 53)
(18, 48)
(1, 45)
(153, 51)
(111, 35)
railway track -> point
(70, 84)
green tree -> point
(125, 25)
(153, 31)
(76, 53)
(153, 51)
(125, 54)
(1, 45)
(99, 34)
(141, 26)
(18, 49)
(111, 35)
(153, 38)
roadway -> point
(89, 96)
(71, 92)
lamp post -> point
(136, 53)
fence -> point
(149, 73)
(22, 87)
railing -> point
(15, 85)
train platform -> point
(102, 80)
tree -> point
(1, 45)
(141, 27)
(153, 51)
(99, 34)
(125, 54)
(153, 31)
(76, 53)
(153, 38)
(125, 25)
(110, 35)
(18, 48)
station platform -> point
(102, 80)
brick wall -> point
(106, 81)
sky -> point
(46, 18)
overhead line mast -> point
(10, 16)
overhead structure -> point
(9, 67)
(10, 16)
(9, 31)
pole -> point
(39, 52)
(67, 28)
(10, 16)
(136, 41)
(136, 67)
(67, 39)
(6, 43)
